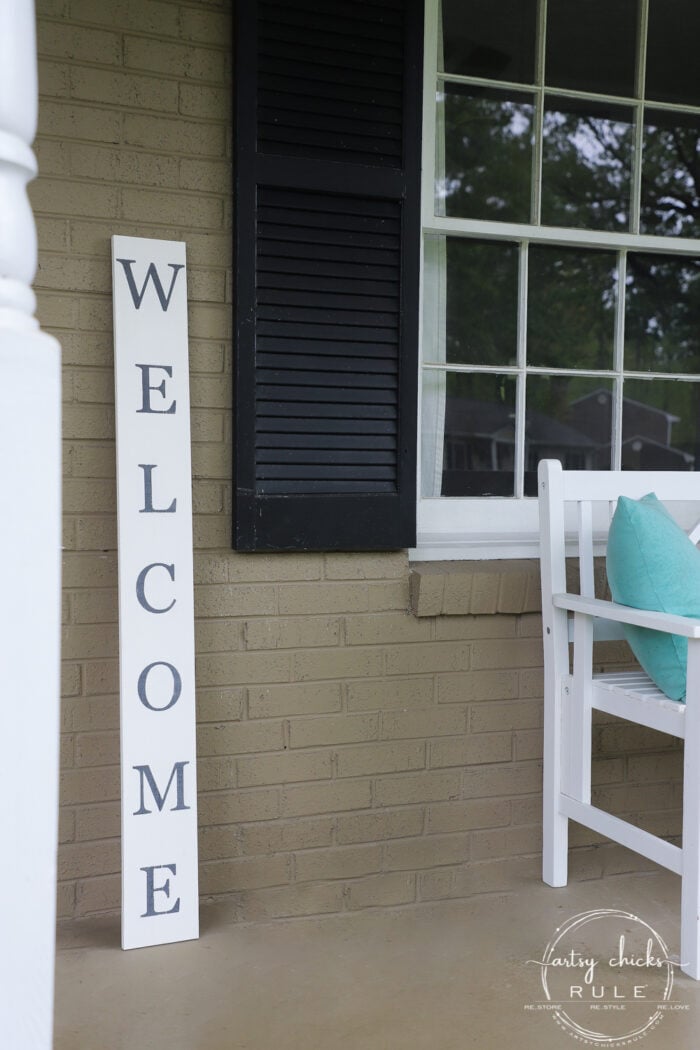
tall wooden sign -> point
(156, 609)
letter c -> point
(141, 586)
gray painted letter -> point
(145, 774)
(146, 390)
(152, 889)
(141, 586)
(177, 685)
(151, 274)
(148, 507)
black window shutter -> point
(327, 218)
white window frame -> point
(496, 527)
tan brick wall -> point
(351, 754)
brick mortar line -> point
(121, 68)
(121, 30)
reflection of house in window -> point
(646, 433)
(547, 438)
(639, 453)
(479, 452)
(480, 447)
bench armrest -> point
(657, 621)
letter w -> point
(151, 274)
(146, 776)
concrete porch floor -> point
(442, 976)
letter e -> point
(152, 889)
(146, 389)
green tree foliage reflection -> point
(488, 154)
(587, 164)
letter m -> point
(151, 275)
(146, 777)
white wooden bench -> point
(575, 512)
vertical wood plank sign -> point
(160, 901)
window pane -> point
(490, 38)
(660, 425)
(488, 154)
(672, 51)
(591, 45)
(671, 174)
(586, 164)
(567, 418)
(480, 281)
(662, 321)
(475, 414)
(571, 307)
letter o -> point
(177, 685)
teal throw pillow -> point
(651, 564)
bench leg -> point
(555, 849)
(555, 826)
(690, 885)
(690, 946)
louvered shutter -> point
(327, 162)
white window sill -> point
(446, 546)
(451, 529)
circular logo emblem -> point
(607, 978)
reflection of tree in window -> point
(571, 307)
(587, 166)
(573, 316)
(662, 323)
(671, 174)
(488, 154)
(482, 302)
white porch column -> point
(29, 571)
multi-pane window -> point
(561, 216)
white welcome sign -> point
(160, 900)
